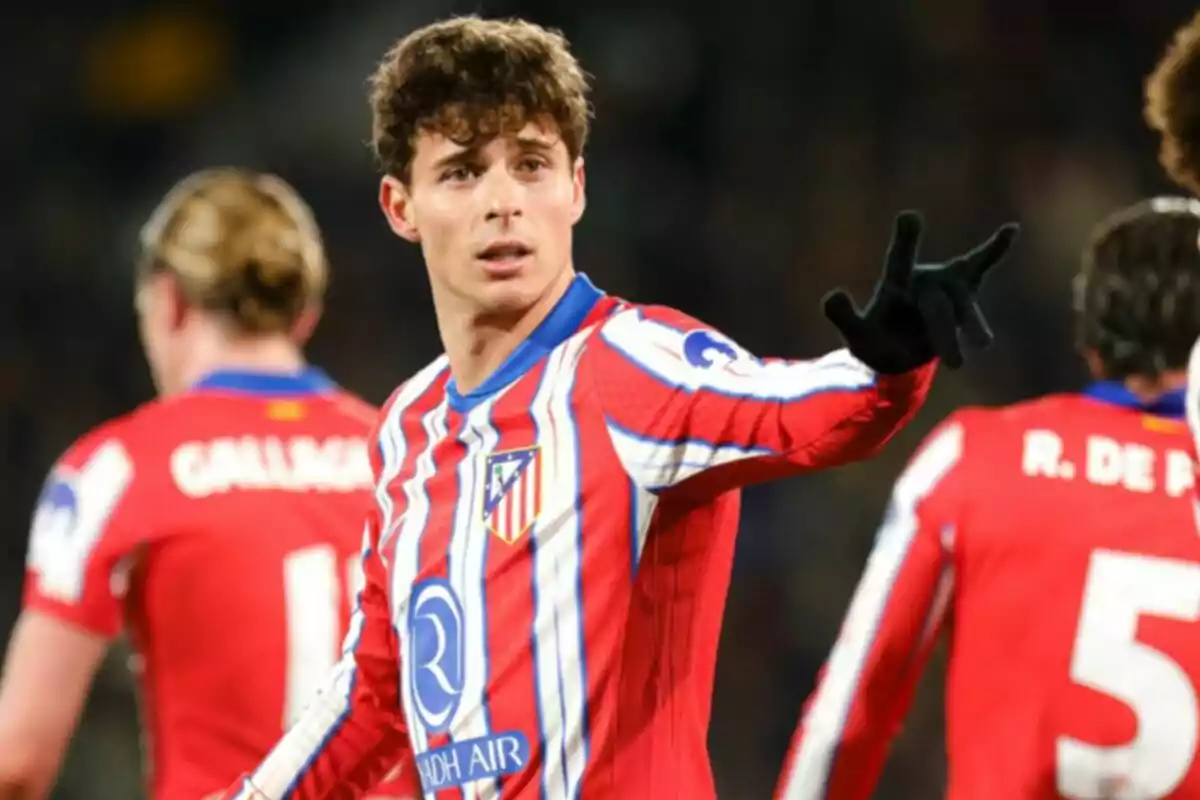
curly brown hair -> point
(240, 243)
(1173, 106)
(471, 79)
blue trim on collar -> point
(1168, 404)
(559, 325)
(309, 380)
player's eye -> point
(531, 164)
(458, 174)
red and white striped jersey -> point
(1055, 541)
(549, 558)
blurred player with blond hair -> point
(219, 525)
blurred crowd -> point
(746, 158)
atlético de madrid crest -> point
(513, 492)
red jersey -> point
(221, 528)
(1057, 538)
(551, 554)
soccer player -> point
(219, 526)
(549, 556)
(1055, 540)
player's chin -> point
(505, 300)
(507, 288)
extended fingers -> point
(902, 251)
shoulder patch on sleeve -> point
(667, 342)
(72, 517)
(703, 348)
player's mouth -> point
(501, 259)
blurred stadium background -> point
(747, 157)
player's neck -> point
(477, 345)
(214, 353)
(1150, 389)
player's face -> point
(494, 221)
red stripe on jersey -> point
(444, 492)
(649, 402)
(408, 428)
(509, 596)
(608, 561)
(605, 307)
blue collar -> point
(1169, 404)
(309, 380)
(558, 326)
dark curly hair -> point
(471, 79)
(1173, 106)
(1137, 296)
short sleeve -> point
(79, 540)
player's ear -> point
(173, 300)
(306, 323)
(579, 182)
(396, 204)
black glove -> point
(918, 310)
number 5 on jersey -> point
(313, 592)
(1108, 658)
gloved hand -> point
(919, 310)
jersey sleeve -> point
(83, 530)
(684, 403)
(352, 734)
(868, 682)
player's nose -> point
(503, 195)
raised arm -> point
(867, 685)
(684, 404)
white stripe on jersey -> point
(557, 581)
(408, 561)
(286, 763)
(660, 350)
(392, 449)
(355, 625)
(469, 544)
(826, 718)
(247, 791)
(660, 464)
(644, 503)
(393, 446)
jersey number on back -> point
(313, 591)
(1120, 588)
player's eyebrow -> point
(464, 156)
(467, 155)
(535, 144)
